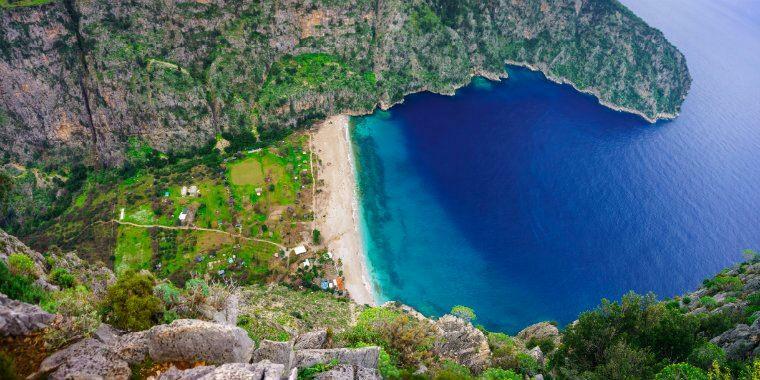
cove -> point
(529, 201)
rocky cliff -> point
(82, 79)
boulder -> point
(275, 352)
(360, 357)
(540, 331)
(740, 342)
(232, 371)
(192, 340)
(311, 340)
(536, 353)
(132, 347)
(460, 341)
(348, 372)
(86, 359)
(19, 318)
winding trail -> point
(282, 247)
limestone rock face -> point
(536, 353)
(347, 372)
(19, 318)
(311, 340)
(132, 347)
(86, 359)
(275, 352)
(540, 331)
(740, 342)
(232, 371)
(193, 340)
(462, 342)
(359, 357)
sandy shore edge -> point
(336, 206)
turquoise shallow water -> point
(529, 201)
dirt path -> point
(282, 247)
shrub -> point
(130, 303)
(316, 236)
(309, 373)
(62, 278)
(452, 370)
(8, 368)
(546, 344)
(21, 265)
(681, 371)
(708, 302)
(527, 365)
(503, 351)
(499, 374)
(706, 354)
(463, 312)
(686, 300)
(724, 282)
(19, 287)
(78, 320)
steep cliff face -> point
(84, 77)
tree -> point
(316, 236)
(681, 371)
(130, 303)
(6, 186)
(463, 312)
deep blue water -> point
(529, 201)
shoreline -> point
(336, 210)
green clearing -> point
(22, 3)
(133, 249)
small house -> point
(183, 216)
(324, 285)
(306, 263)
(184, 191)
(299, 250)
(258, 191)
(193, 191)
(339, 284)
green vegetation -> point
(463, 312)
(130, 303)
(309, 373)
(23, 3)
(62, 277)
(681, 371)
(8, 368)
(20, 287)
(21, 264)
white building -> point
(193, 191)
(184, 191)
(299, 250)
(182, 216)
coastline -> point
(336, 208)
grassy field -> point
(133, 249)
(22, 3)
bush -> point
(681, 371)
(79, 318)
(130, 303)
(499, 374)
(708, 302)
(21, 265)
(463, 312)
(62, 278)
(7, 368)
(309, 373)
(546, 344)
(527, 365)
(316, 236)
(503, 351)
(450, 370)
(704, 356)
(19, 287)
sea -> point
(528, 201)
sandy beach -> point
(336, 206)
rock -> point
(193, 340)
(311, 340)
(19, 318)
(232, 371)
(540, 331)
(752, 284)
(348, 372)
(360, 357)
(106, 334)
(228, 314)
(538, 377)
(133, 347)
(463, 343)
(86, 359)
(739, 342)
(275, 352)
(536, 353)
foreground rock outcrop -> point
(192, 340)
(462, 342)
(20, 318)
